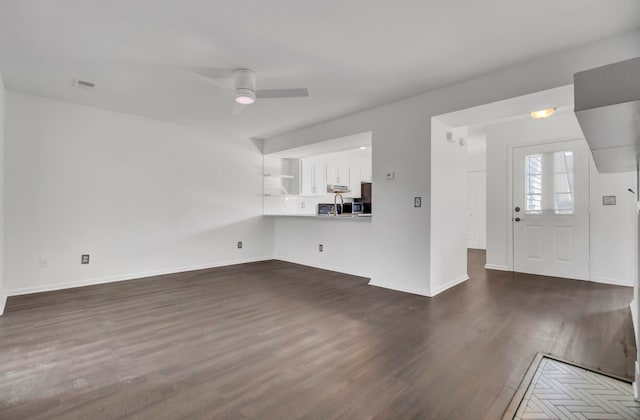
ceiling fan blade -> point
(282, 93)
(215, 75)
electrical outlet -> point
(84, 259)
(44, 263)
(389, 175)
(320, 248)
(239, 244)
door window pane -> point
(533, 184)
(563, 185)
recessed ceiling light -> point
(543, 113)
(363, 147)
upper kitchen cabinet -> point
(336, 174)
(350, 176)
(355, 181)
(365, 174)
(325, 170)
(312, 178)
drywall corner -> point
(448, 285)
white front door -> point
(550, 210)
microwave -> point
(353, 208)
(327, 208)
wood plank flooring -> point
(274, 340)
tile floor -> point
(562, 391)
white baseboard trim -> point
(328, 267)
(131, 276)
(497, 267)
(3, 302)
(420, 292)
(615, 282)
(449, 285)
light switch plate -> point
(417, 201)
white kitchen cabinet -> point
(306, 178)
(337, 174)
(365, 173)
(312, 178)
(355, 179)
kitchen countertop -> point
(347, 215)
(327, 216)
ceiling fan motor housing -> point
(244, 84)
(244, 79)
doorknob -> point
(517, 209)
(517, 219)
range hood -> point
(607, 105)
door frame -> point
(510, 233)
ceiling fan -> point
(244, 85)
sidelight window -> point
(563, 183)
(533, 184)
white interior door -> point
(551, 209)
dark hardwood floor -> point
(274, 340)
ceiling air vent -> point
(84, 84)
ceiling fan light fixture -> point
(245, 96)
(543, 113)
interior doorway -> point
(476, 148)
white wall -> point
(346, 243)
(610, 226)
(477, 209)
(448, 207)
(476, 152)
(141, 196)
(400, 234)
(3, 296)
(612, 233)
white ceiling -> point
(350, 54)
